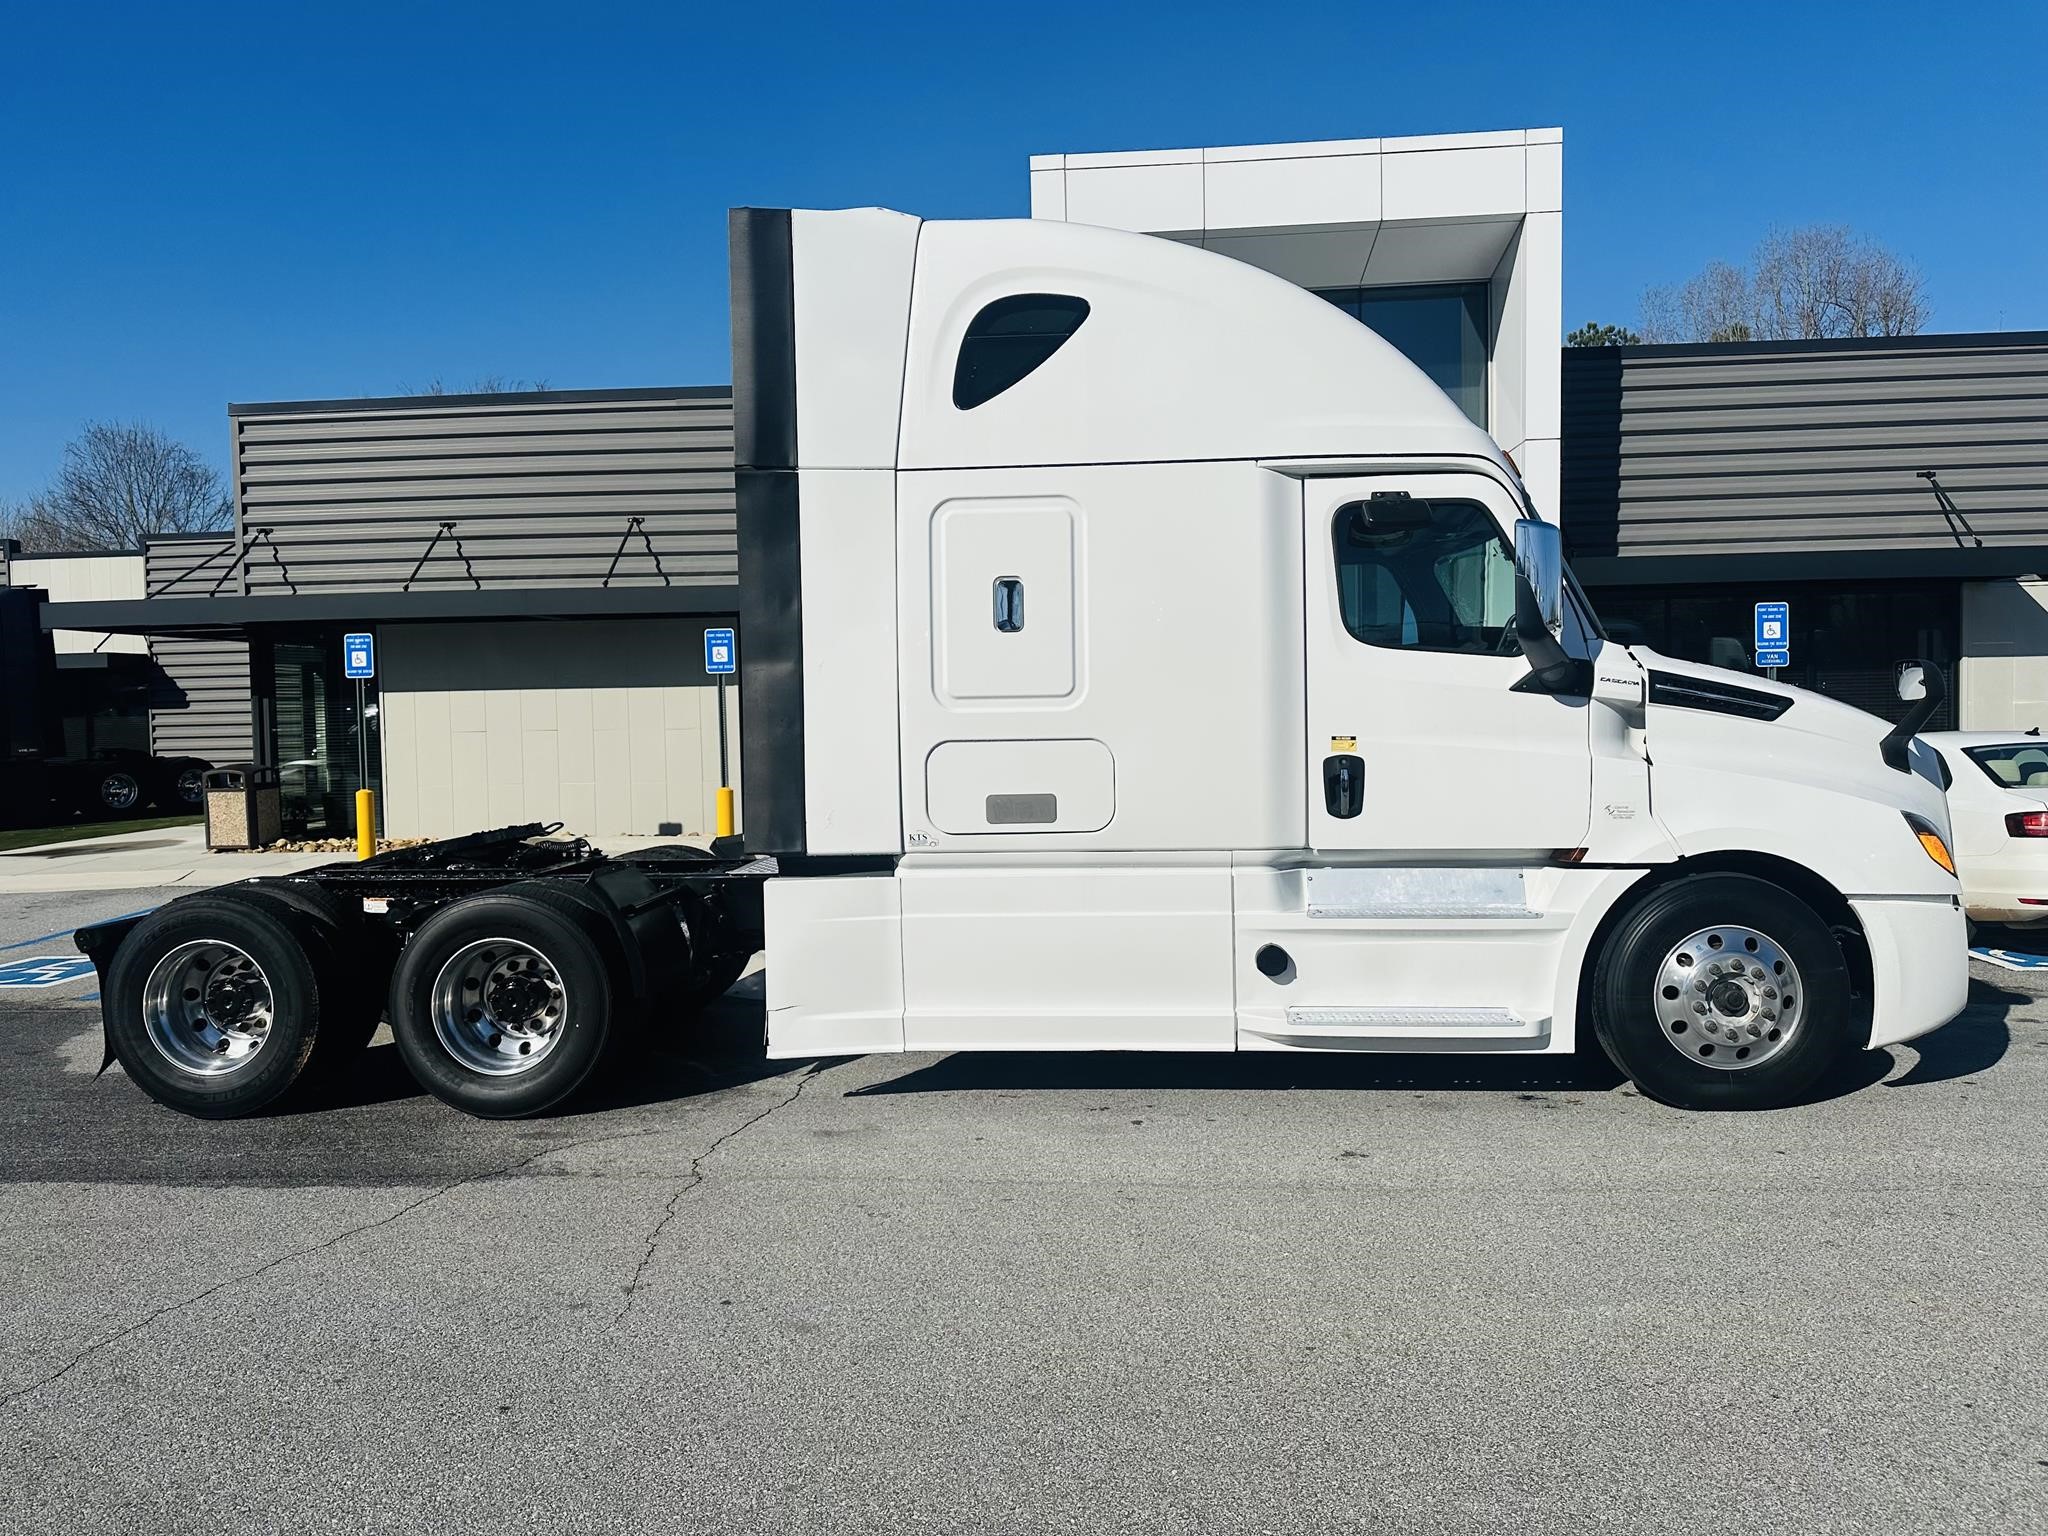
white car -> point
(1998, 816)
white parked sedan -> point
(1998, 815)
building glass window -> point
(1439, 327)
(1425, 575)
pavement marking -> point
(2012, 959)
(43, 971)
(65, 933)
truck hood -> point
(1734, 755)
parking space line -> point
(65, 933)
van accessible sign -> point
(1774, 634)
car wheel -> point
(1722, 992)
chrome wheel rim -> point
(191, 786)
(119, 792)
(208, 1008)
(1729, 998)
(499, 1007)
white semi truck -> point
(1137, 654)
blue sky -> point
(204, 203)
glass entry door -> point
(321, 738)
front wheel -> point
(117, 792)
(1722, 992)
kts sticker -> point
(1343, 743)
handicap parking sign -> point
(719, 658)
(44, 971)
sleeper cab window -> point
(1425, 575)
(1008, 339)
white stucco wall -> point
(610, 727)
(91, 578)
(2003, 679)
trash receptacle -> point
(244, 808)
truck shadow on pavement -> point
(1975, 1041)
(722, 1048)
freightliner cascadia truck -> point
(1137, 653)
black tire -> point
(116, 792)
(577, 948)
(1637, 1026)
(353, 956)
(267, 935)
(180, 784)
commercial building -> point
(1450, 246)
(539, 569)
(1893, 491)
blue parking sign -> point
(1774, 634)
(721, 654)
(358, 656)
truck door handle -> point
(1344, 785)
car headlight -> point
(1931, 839)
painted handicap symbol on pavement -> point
(2012, 959)
(44, 971)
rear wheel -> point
(352, 957)
(1723, 992)
(214, 1008)
(504, 1003)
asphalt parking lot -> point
(1003, 1293)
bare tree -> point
(121, 481)
(1826, 280)
(1718, 304)
(489, 384)
(1803, 284)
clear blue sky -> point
(203, 203)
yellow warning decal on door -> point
(1343, 743)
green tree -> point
(1594, 334)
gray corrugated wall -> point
(540, 488)
(199, 707)
(1804, 446)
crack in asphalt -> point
(694, 1179)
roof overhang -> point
(227, 616)
(1767, 565)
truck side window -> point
(1010, 338)
(1425, 576)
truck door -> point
(1426, 736)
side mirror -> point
(1539, 612)
(1912, 681)
(1539, 579)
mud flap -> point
(98, 944)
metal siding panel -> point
(541, 492)
(1814, 447)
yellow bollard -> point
(724, 811)
(366, 823)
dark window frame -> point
(1009, 339)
